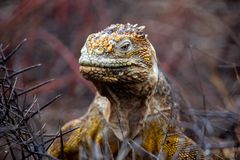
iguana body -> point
(134, 113)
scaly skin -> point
(134, 112)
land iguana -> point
(134, 113)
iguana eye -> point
(125, 46)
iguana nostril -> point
(82, 62)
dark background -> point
(197, 44)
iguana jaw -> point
(112, 70)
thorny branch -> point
(19, 133)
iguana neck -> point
(127, 108)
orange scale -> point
(117, 38)
(105, 43)
(109, 48)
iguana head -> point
(119, 53)
(121, 63)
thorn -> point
(30, 107)
(62, 146)
(12, 90)
(5, 47)
(57, 136)
(6, 154)
(2, 52)
(15, 49)
(44, 106)
(24, 69)
(35, 87)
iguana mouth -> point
(107, 73)
(113, 74)
(112, 70)
(104, 63)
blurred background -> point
(197, 44)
